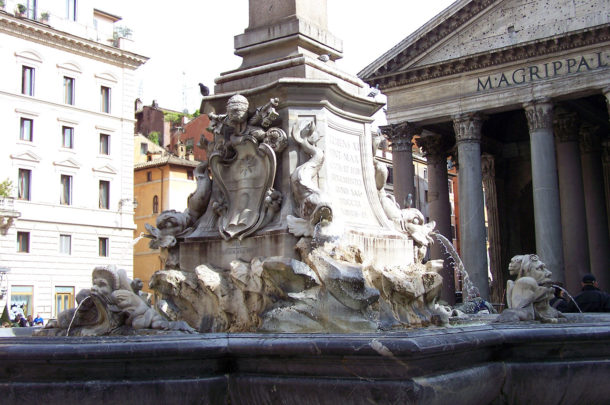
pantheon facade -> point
(516, 92)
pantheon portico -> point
(518, 91)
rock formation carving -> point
(311, 207)
(110, 307)
(528, 296)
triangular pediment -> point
(105, 169)
(27, 156)
(69, 163)
(478, 28)
(512, 23)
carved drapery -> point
(493, 226)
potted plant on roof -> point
(44, 17)
(20, 10)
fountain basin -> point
(517, 363)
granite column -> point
(436, 150)
(472, 211)
(572, 200)
(595, 206)
(547, 214)
(401, 140)
(498, 283)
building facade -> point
(66, 107)
(518, 89)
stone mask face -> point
(101, 287)
(237, 112)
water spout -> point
(572, 298)
(74, 315)
(471, 290)
(136, 240)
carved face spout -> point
(101, 287)
(538, 271)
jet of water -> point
(471, 290)
(74, 315)
(572, 298)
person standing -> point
(591, 298)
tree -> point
(154, 136)
(6, 188)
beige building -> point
(66, 97)
(162, 181)
(520, 88)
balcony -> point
(7, 213)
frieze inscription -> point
(548, 70)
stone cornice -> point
(523, 51)
(44, 34)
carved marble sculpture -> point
(243, 164)
(408, 220)
(110, 307)
(329, 285)
(528, 296)
(311, 207)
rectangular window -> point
(104, 144)
(104, 194)
(65, 244)
(189, 175)
(71, 10)
(67, 137)
(31, 9)
(26, 130)
(27, 80)
(148, 176)
(64, 299)
(143, 148)
(65, 198)
(21, 299)
(103, 247)
(24, 186)
(68, 90)
(23, 242)
(105, 99)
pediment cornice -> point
(41, 33)
(522, 51)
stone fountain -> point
(303, 276)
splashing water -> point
(74, 315)
(136, 240)
(471, 290)
(566, 291)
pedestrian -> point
(558, 301)
(591, 298)
(38, 320)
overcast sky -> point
(190, 41)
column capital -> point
(467, 127)
(436, 148)
(566, 125)
(590, 141)
(539, 114)
(401, 135)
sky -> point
(191, 41)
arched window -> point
(155, 204)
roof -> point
(164, 160)
(112, 17)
